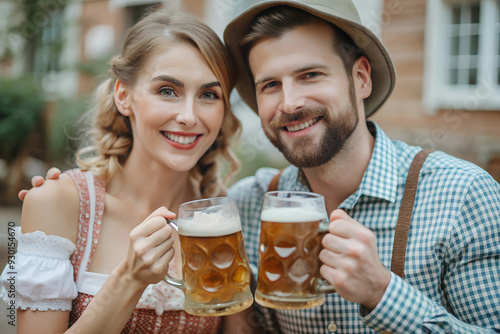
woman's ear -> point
(362, 77)
(122, 98)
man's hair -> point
(276, 21)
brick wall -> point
(469, 134)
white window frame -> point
(438, 94)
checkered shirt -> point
(452, 267)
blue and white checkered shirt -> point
(452, 267)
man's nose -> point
(292, 98)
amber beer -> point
(290, 242)
(215, 270)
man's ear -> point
(361, 72)
(122, 98)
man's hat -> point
(341, 13)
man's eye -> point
(312, 74)
(271, 84)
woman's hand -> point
(150, 249)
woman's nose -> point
(186, 114)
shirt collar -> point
(379, 181)
(381, 177)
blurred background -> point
(53, 53)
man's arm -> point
(470, 282)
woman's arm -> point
(54, 209)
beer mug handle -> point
(176, 283)
(322, 285)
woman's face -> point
(176, 108)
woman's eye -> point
(209, 95)
(165, 91)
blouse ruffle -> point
(43, 276)
(44, 280)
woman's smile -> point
(181, 140)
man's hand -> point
(351, 263)
(37, 181)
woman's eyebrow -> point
(169, 79)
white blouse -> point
(44, 278)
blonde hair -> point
(112, 137)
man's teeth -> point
(181, 139)
(301, 126)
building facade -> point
(446, 54)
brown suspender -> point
(273, 186)
(405, 211)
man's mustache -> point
(302, 115)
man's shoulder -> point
(436, 162)
(442, 163)
(449, 172)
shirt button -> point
(332, 327)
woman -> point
(161, 123)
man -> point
(314, 74)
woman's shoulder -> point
(52, 208)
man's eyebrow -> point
(168, 78)
(309, 67)
(297, 71)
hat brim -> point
(383, 73)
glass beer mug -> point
(292, 226)
(215, 270)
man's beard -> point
(306, 152)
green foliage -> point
(20, 111)
(94, 68)
(63, 130)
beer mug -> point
(215, 269)
(292, 226)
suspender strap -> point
(273, 186)
(405, 213)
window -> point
(45, 57)
(49, 52)
(462, 55)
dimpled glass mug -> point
(292, 226)
(215, 270)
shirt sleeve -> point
(43, 277)
(471, 281)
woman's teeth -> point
(301, 126)
(181, 139)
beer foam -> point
(292, 215)
(210, 225)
